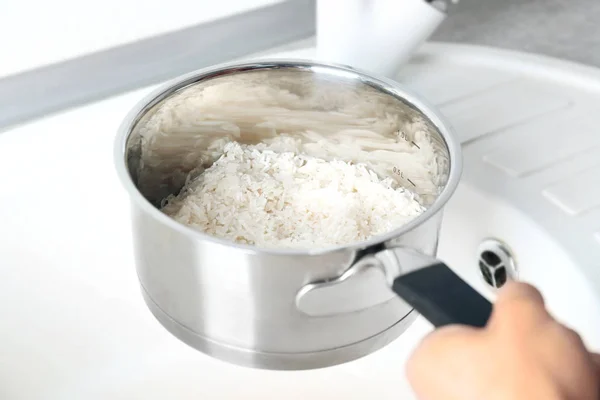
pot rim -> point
(388, 86)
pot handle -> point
(442, 297)
(433, 289)
(423, 282)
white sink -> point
(71, 341)
(154, 365)
(74, 325)
(472, 216)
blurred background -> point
(67, 52)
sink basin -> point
(111, 348)
(154, 365)
(472, 216)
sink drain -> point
(496, 263)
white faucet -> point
(377, 36)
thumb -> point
(433, 362)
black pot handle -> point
(442, 297)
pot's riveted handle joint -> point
(433, 289)
(422, 281)
(361, 286)
(367, 283)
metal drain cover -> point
(496, 263)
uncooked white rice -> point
(256, 195)
(206, 136)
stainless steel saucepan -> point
(278, 308)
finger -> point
(596, 360)
(519, 304)
(443, 358)
(520, 292)
(437, 362)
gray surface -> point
(45, 90)
(560, 28)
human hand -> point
(522, 354)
